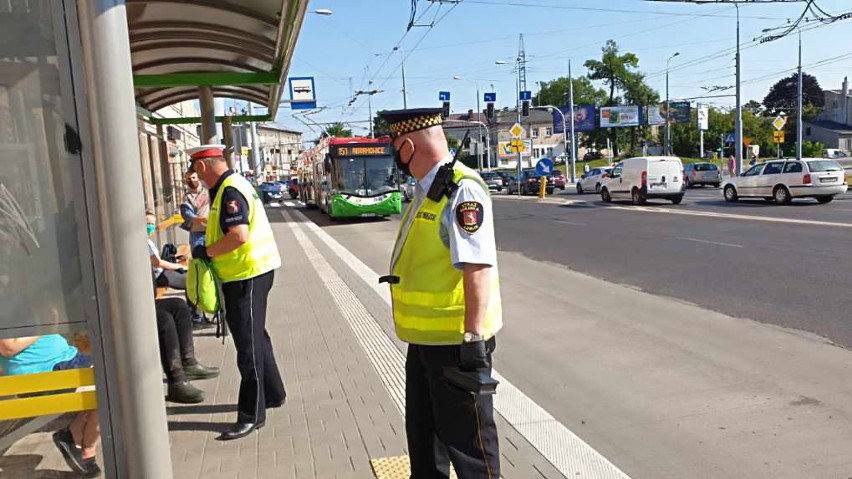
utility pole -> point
(369, 94)
(739, 120)
(522, 85)
(573, 135)
(800, 102)
(404, 90)
(668, 112)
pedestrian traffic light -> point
(489, 112)
(446, 112)
(525, 111)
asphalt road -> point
(784, 265)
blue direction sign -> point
(729, 138)
(544, 166)
(444, 96)
(453, 151)
(526, 95)
(490, 97)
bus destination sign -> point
(362, 150)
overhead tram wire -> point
(610, 10)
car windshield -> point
(705, 167)
(824, 165)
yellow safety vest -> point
(428, 300)
(259, 254)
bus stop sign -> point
(544, 167)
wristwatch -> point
(472, 337)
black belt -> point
(390, 279)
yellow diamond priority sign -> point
(779, 122)
(517, 130)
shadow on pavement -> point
(202, 409)
(199, 426)
(24, 466)
(322, 220)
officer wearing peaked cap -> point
(244, 255)
(446, 303)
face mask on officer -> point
(405, 168)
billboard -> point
(620, 116)
(679, 113)
(584, 118)
(655, 116)
(503, 150)
(703, 117)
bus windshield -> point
(363, 176)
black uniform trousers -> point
(174, 330)
(245, 312)
(444, 423)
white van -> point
(643, 178)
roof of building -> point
(832, 125)
(274, 127)
(502, 118)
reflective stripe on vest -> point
(428, 301)
(259, 254)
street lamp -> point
(517, 106)
(478, 143)
(323, 11)
(668, 121)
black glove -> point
(200, 252)
(181, 270)
(473, 356)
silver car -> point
(591, 181)
(407, 188)
(493, 180)
(702, 174)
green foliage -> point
(783, 95)
(338, 130)
(614, 69)
(556, 92)
(812, 149)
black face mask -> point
(402, 167)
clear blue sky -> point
(346, 50)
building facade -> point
(833, 127)
(279, 147)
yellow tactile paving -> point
(397, 467)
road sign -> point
(517, 130)
(453, 151)
(779, 122)
(729, 138)
(544, 166)
(490, 97)
(517, 145)
(302, 93)
(443, 96)
(526, 95)
(778, 136)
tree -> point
(784, 94)
(616, 71)
(637, 92)
(556, 92)
(811, 149)
(753, 106)
(337, 130)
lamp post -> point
(478, 143)
(517, 108)
(668, 114)
(551, 109)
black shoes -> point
(200, 371)
(202, 324)
(184, 393)
(73, 455)
(240, 430)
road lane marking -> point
(289, 204)
(731, 216)
(568, 453)
(573, 223)
(711, 242)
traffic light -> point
(489, 111)
(525, 110)
(446, 112)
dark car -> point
(592, 155)
(529, 183)
(702, 174)
(558, 180)
(493, 180)
(270, 191)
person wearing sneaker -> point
(37, 354)
(177, 352)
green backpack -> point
(202, 289)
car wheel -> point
(605, 196)
(676, 200)
(781, 195)
(637, 197)
(730, 193)
(598, 188)
(715, 185)
(579, 189)
(688, 183)
(824, 199)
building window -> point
(534, 132)
(548, 131)
(808, 131)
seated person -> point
(177, 352)
(165, 272)
(37, 354)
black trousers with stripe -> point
(445, 424)
(260, 380)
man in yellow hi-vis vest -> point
(242, 250)
(446, 304)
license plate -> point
(368, 215)
(828, 179)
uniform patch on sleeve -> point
(469, 216)
(232, 207)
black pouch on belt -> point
(475, 382)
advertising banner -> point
(655, 116)
(505, 151)
(703, 116)
(679, 112)
(584, 118)
(620, 116)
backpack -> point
(202, 289)
(169, 253)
